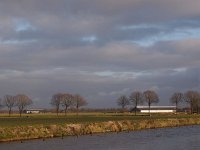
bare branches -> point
(176, 98)
(1, 105)
(9, 101)
(193, 99)
(56, 101)
(150, 97)
(21, 102)
(79, 101)
(67, 100)
(123, 101)
(135, 99)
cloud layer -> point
(100, 49)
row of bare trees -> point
(66, 101)
(192, 98)
(20, 101)
(138, 97)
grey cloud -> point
(62, 24)
(91, 47)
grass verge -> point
(50, 125)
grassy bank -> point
(49, 125)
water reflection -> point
(183, 138)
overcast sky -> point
(100, 49)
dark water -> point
(182, 138)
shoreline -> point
(20, 133)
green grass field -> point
(49, 119)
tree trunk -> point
(9, 112)
(123, 109)
(66, 110)
(191, 109)
(20, 113)
(57, 111)
(149, 109)
(77, 111)
(135, 108)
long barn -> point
(157, 109)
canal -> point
(180, 138)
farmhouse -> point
(156, 109)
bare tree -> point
(192, 98)
(123, 101)
(176, 98)
(150, 97)
(197, 104)
(79, 101)
(136, 98)
(22, 101)
(67, 101)
(56, 101)
(9, 101)
(1, 103)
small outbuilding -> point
(34, 111)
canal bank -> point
(50, 131)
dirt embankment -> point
(40, 131)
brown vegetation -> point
(41, 131)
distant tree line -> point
(21, 101)
(137, 98)
(66, 100)
(59, 100)
(192, 98)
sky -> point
(100, 49)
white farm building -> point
(33, 111)
(156, 109)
